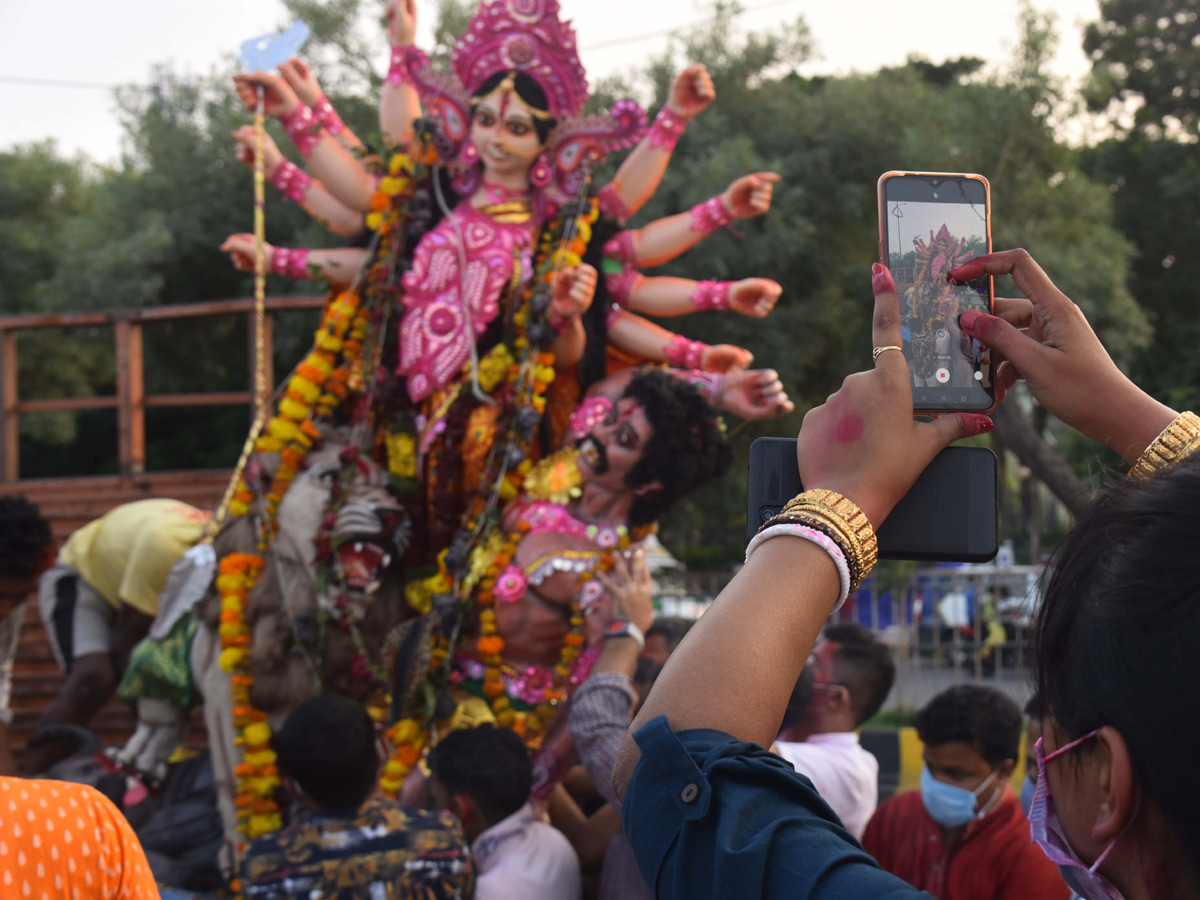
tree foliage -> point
(1148, 51)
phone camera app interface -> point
(931, 230)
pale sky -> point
(119, 41)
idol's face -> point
(502, 130)
(615, 445)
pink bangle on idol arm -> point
(712, 295)
(679, 351)
(666, 129)
(326, 116)
(612, 205)
(710, 384)
(290, 263)
(710, 215)
(302, 129)
(291, 180)
(398, 67)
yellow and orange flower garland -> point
(257, 775)
(318, 385)
(530, 724)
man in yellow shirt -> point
(101, 596)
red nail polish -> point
(968, 271)
(974, 424)
(881, 279)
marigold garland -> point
(526, 371)
(317, 386)
(257, 774)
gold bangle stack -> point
(839, 519)
(1175, 443)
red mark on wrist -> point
(849, 429)
(881, 279)
(968, 271)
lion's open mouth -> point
(363, 564)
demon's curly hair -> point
(24, 537)
(687, 447)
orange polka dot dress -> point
(61, 841)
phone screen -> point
(933, 223)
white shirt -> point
(520, 858)
(844, 774)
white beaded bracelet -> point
(788, 529)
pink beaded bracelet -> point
(611, 204)
(302, 129)
(787, 529)
(291, 180)
(712, 295)
(402, 59)
(666, 130)
(708, 383)
(710, 215)
(686, 354)
(290, 263)
(326, 116)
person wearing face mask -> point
(710, 813)
(963, 834)
(1033, 733)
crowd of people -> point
(482, 833)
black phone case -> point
(949, 515)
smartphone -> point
(929, 223)
(949, 514)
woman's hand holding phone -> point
(863, 441)
(1060, 358)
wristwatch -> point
(625, 628)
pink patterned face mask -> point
(1047, 833)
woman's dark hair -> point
(531, 95)
(327, 746)
(1118, 636)
(686, 449)
(488, 764)
(24, 536)
(976, 715)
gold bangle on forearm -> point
(1175, 443)
(853, 530)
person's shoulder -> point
(413, 819)
(48, 792)
(550, 839)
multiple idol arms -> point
(342, 178)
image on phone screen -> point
(933, 224)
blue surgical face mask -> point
(948, 805)
(1027, 790)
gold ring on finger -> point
(880, 350)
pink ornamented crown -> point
(523, 36)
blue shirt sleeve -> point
(711, 816)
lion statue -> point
(309, 630)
